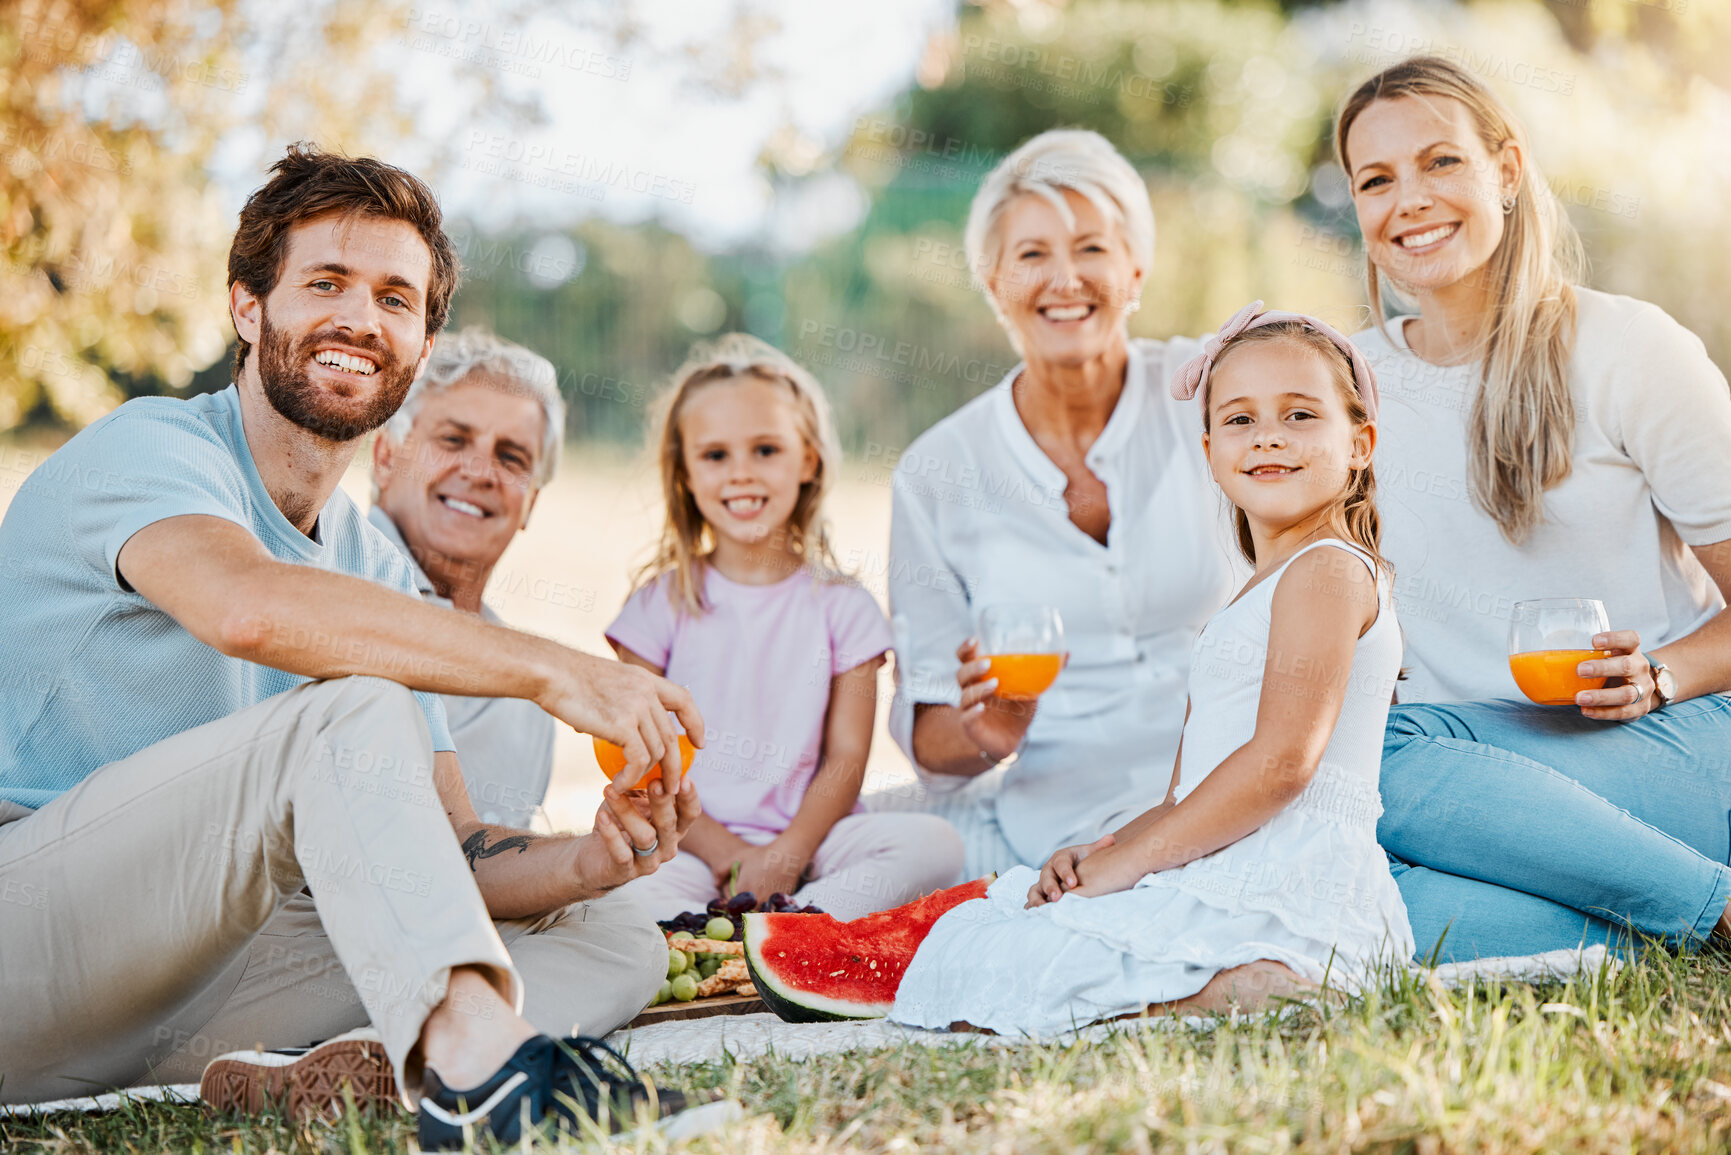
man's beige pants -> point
(153, 916)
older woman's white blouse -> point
(980, 517)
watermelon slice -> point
(810, 968)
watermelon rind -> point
(792, 1006)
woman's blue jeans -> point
(1513, 828)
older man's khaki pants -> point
(132, 906)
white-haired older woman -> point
(1077, 483)
(455, 473)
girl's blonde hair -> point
(1354, 516)
(1522, 426)
(686, 539)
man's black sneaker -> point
(568, 1085)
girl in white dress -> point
(1259, 874)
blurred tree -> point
(114, 114)
(112, 239)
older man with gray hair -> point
(455, 475)
(456, 472)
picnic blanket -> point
(753, 1036)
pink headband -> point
(1193, 374)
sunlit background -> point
(623, 179)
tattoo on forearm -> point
(475, 846)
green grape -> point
(708, 967)
(719, 929)
(685, 987)
(677, 962)
(662, 995)
(681, 936)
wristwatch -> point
(1664, 683)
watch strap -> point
(1659, 696)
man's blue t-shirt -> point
(91, 672)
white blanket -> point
(752, 1036)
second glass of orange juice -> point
(1548, 638)
(1025, 645)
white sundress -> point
(1310, 888)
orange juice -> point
(1024, 677)
(1548, 676)
(611, 759)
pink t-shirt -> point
(758, 665)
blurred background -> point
(623, 178)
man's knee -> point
(367, 733)
(644, 944)
(359, 690)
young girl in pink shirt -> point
(744, 606)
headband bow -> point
(1193, 374)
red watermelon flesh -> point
(811, 968)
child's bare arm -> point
(830, 797)
(1321, 607)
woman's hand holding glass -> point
(996, 725)
(1016, 658)
(1629, 694)
(1563, 653)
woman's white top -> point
(1651, 477)
(1310, 888)
(980, 518)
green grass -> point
(1636, 1060)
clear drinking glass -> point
(1548, 638)
(1025, 644)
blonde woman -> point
(743, 606)
(1077, 483)
(1539, 439)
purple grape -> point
(741, 903)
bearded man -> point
(223, 712)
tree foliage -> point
(112, 234)
(117, 112)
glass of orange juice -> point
(611, 759)
(1025, 645)
(1548, 638)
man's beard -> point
(282, 369)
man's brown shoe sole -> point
(308, 1085)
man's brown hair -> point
(310, 182)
